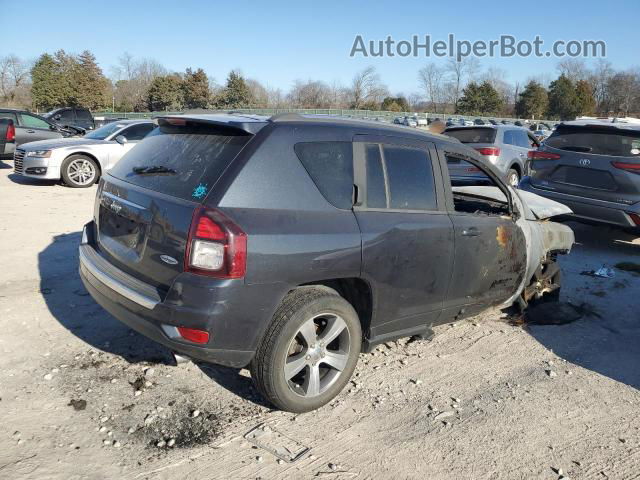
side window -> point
(67, 117)
(483, 198)
(30, 121)
(137, 132)
(10, 116)
(330, 165)
(523, 139)
(376, 190)
(508, 137)
(83, 115)
(409, 178)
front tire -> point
(79, 171)
(309, 351)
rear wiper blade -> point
(153, 169)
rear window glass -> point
(181, 161)
(472, 135)
(83, 115)
(330, 165)
(410, 178)
(624, 144)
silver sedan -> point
(79, 162)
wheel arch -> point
(86, 154)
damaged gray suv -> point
(291, 244)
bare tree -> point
(600, 78)
(495, 77)
(366, 88)
(624, 92)
(132, 78)
(258, 92)
(573, 68)
(460, 72)
(431, 77)
(310, 94)
(14, 78)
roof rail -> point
(284, 117)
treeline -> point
(63, 79)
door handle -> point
(470, 232)
(31, 131)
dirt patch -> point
(182, 429)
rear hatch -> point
(145, 205)
(481, 139)
(593, 161)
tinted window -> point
(410, 178)
(10, 116)
(472, 135)
(66, 117)
(622, 144)
(33, 122)
(376, 195)
(137, 132)
(190, 158)
(84, 115)
(330, 165)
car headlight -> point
(39, 153)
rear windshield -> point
(596, 141)
(183, 161)
(472, 135)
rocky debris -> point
(259, 458)
(195, 413)
(443, 415)
(78, 404)
(416, 381)
(551, 373)
(333, 467)
(48, 376)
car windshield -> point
(103, 132)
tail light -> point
(216, 246)
(629, 167)
(489, 151)
(635, 218)
(10, 136)
(538, 155)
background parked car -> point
(541, 135)
(72, 117)
(505, 147)
(80, 161)
(410, 122)
(27, 127)
(593, 168)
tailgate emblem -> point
(585, 162)
(168, 259)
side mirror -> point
(121, 139)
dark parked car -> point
(27, 127)
(291, 244)
(72, 117)
(479, 121)
(592, 167)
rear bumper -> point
(234, 314)
(589, 209)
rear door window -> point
(509, 137)
(410, 179)
(522, 139)
(10, 116)
(597, 142)
(30, 121)
(330, 165)
(183, 161)
(137, 132)
(473, 135)
(376, 189)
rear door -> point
(589, 161)
(407, 237)
(32, 128)
(145, 204)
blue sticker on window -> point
(200, 191)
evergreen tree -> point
(196, 89)
(480, 99)
(585, 100)
(533, 101)
(50, 87)
(90, 84)
(165, 93)
(236, 93)
(491, 101)
(562, 99)
(395, 104)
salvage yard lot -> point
(487, 398)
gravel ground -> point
(84, 397)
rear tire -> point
(309, 351)
(513, 177)
(79, 171)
